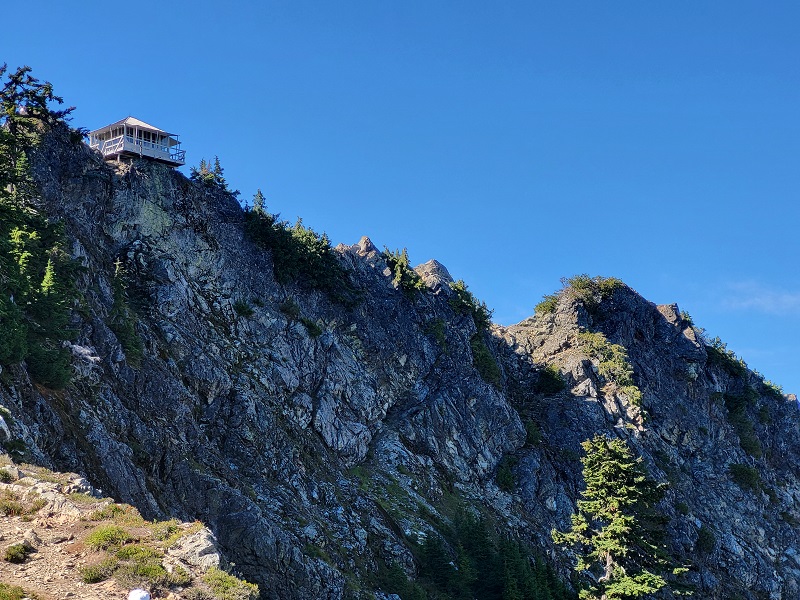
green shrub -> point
(463, 302)
(548, 304)
(437, 330)
(106, 536)
(533, 434)
(10, 504)
(706, 540)
(484, 361)
(550, 381)
(225, 586)
(300, 254)
(741, 423)
(122, 319)
(311, 326)
(290, 308)
(591, 291)
(16, 553)
(773, 389)
(612, 363)
(100, 571)
(107, 512)
(243, 309)
(745, 476)
(682, 507)
(719, 355)
(505, 478)
(403, 276)
(14, 592)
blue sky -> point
(515, 142)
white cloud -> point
(751, 295)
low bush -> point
(719, 355)
(311, 326)
(746, 477)
(464, 302)
(300, 254)
(612, 363)
(505, 478)
(99, 571)
(550, 381)
(243, 309)
(484, 361)
(548, 305)
(591, 291)
(437, 329)
(16, 553)
(741, 423)
(225, 586)
(106, 536)
(706, 540)
(14, 592)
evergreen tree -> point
(616, 530)
(259, 205)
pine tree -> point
(615, 530)
(258, 202)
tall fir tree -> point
(616, 531)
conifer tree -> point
(616, 531)
(258, 202)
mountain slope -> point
(323, 441)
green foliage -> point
(591, 291)
(533, 433)
(35, 272)
(437, 329)
(99, 571)
(211, 176)
(617, 533)
(106, 536)
(243, 309)
(464, 302)
(505, 478)
(773, 389)
(706, 540)
(300, 254)
(687, 318)
(290, 308)
(225, 586)
(613, 364)
(719, 355)
(682, 507)
(16, 553)
(484, 361)
(311, 326)
(259, 203)
(741, 423)
(550, 381)
(746, 477)
(470, 562)
(14, 592)
(548, 305)
(122, 319)
(403, 276)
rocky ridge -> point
(317, 440)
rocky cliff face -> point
(315, 439)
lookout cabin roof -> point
(133, 137)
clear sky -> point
(516, 142)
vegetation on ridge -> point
(36, 274)
(299, 253)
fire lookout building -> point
(132, 137)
